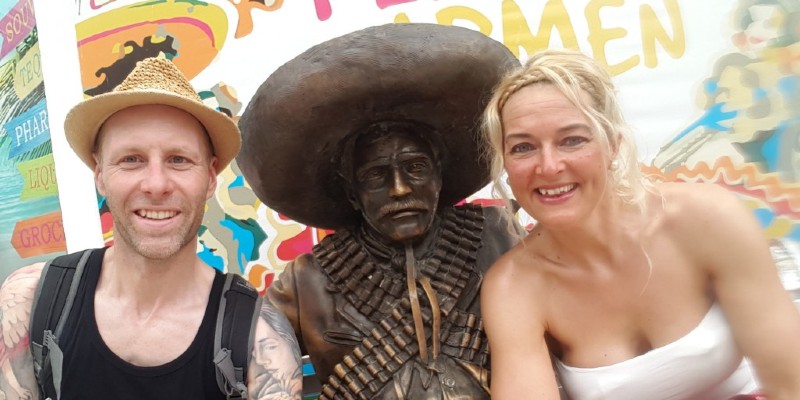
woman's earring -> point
(614, 165)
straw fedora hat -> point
(152, 81)
(294, 126)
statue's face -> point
(397, 183)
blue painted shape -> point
(238, 182)
(245, 239)
(765, 217)
(710, 120)
(210, 258)
(710, 87)
(789, 86)
(759, 93)
(205, 94)
(308, 369)
(28, 130)
(771, 146)
(794, 234)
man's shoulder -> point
(235, 278)
(21, 284)
(16, 300)
(26, 272)
(21, 281)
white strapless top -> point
(705, 364)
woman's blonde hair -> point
(572, 73)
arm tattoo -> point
(276, 366)
(17, 380)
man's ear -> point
(98, 176)
(212, 177)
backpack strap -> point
(239, 309)
(52, 304)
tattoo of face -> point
(276, 367)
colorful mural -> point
(748, 136)
(30, 219)
(719, 82)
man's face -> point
(155, 168)
(397, 183)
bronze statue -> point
(374, 134)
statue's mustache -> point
(403, 205)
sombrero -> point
(152, 81)
(293, 127)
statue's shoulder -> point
(301, 262)
(490, 215)
(331, 249)
(497, 214)
(332, 245)
(499, 229)
(302, 272)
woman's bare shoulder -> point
(699, 215)
(691, 194)
(518, 270)
(513, 288)
(694, 202)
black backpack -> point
(52, 304)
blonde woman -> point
(632, 289)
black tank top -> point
(92, 371)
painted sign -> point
(39, 235)
(28, 130)
(30, 223)
(16, 25)
(39, 178)
(28, 72)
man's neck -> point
(149, 283)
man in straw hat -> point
(373, 134)
(143, 319)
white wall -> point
(63, 89)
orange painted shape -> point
(39, 235)
(256, 276)
(243, 7)
(199, 34)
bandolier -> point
(370, 278)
